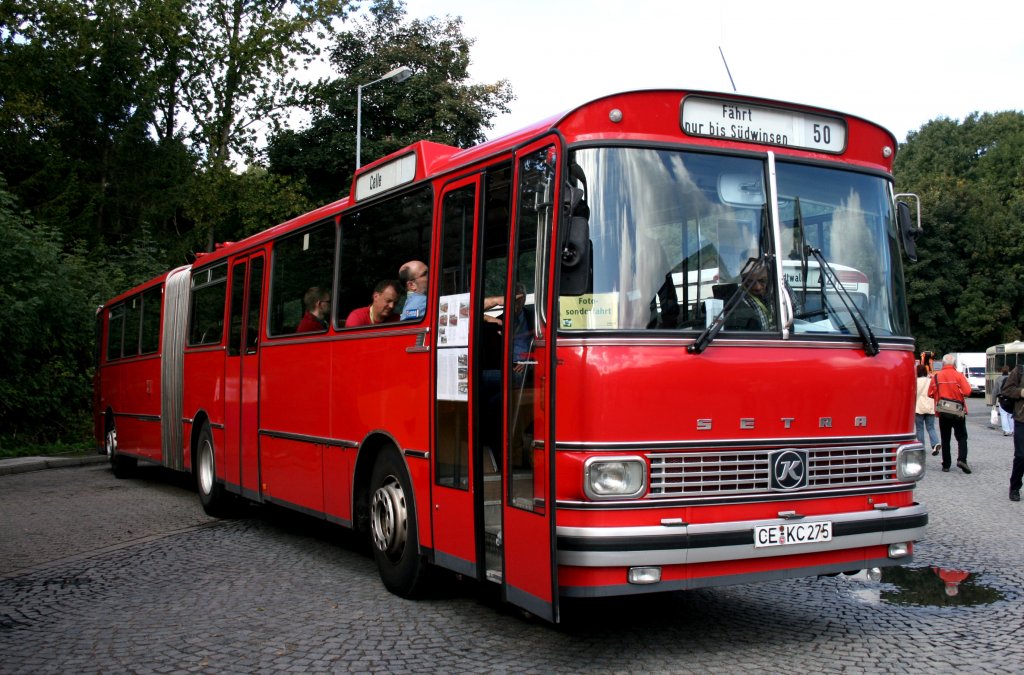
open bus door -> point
(527, 537)
(455, 468)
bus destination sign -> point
(386, 177)
(741, 121)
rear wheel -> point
(122, 466)
(211, 493)
(393, 526)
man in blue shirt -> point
(414, 278)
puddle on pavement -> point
(927, 587)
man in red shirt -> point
(380, 310)
(950, 384)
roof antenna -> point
(727, 72)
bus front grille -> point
(748, 471)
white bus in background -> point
(972, 365)
(1009, 354)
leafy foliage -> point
(121, 123)
(49, 297)
(966, 293)
(437, 104)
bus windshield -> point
(674, 235)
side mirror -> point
(575, 258)
(909, 231)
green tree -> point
(438, 103)
(76, 78)
(50, 298)
(241, 204)
(966, 293)
(244, 68)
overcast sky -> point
(898, 63)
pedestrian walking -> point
(948, 387)
(924, 411)
(1005, 418)
(1012, 389)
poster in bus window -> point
(592, 311)
(453, 347)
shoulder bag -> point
(948, 407)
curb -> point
(25, 464)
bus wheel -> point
(211, 493)
(121, 466)
(393, 527)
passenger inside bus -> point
(756, 309)
(317, 302)
(414, 276)
(380, 310)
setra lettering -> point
(706, 423)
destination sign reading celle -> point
(740, 121)
(386, 177)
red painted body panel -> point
(132, 391)
(204, 397)
(295, 399)
(656, 394)
(377, 386)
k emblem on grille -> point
(789, 469)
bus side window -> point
(206, 315)
(375, 242)
(300, 279)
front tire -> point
(393, 532)
(211, 493)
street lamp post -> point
(400, 74)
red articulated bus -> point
(559, 413)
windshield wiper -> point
(742, 291)
(863, 328)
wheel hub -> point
(389, 519)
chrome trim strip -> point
(197, 349)
(306, 438)
(678, 545)
(795, 341)
(419, 454)
(745, 498)
(773, 200)
(349, 334)
(139, 416)
(733, 443)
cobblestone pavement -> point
(86, 588)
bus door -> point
(454, 511)
(241, 398)
(527, 538)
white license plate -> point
(792, 533)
